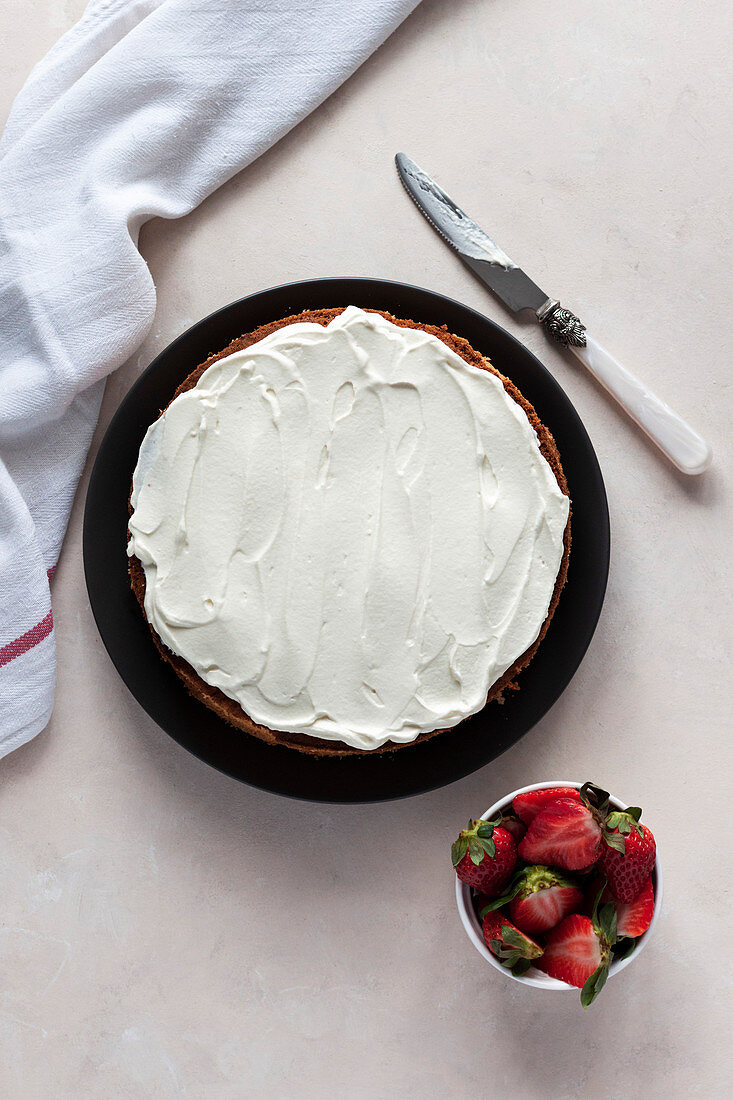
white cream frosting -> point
(348, 530)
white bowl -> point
(534, 976)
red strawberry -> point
(484, 856)
(542, 899)
(578, 951)
(511, 947)
(628, 854)
(514, 826)
(528, 805)
(575, 950)
(634, 917)
(566, 834)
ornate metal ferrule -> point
(561, 324)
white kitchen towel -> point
(142, 110)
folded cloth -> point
(143, 109)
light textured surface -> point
(169, 932)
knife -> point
(676, 439)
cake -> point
(348, 532)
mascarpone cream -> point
(348, 530)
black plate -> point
(286, 771)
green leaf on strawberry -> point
(478, 846)
(475, 850)
(476, 839)
(594, 985)
(617, 841)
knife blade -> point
(475, 247)
(676, 439)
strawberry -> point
(634, 917)
(513, 825)
(566, 833)
(574, 951)
(538, 899)
(578, 951)
(484, 856)
(528, 805)
(543, 899)
(511, 947)
(628, 853)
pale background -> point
(167, 931)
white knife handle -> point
(681, 444)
